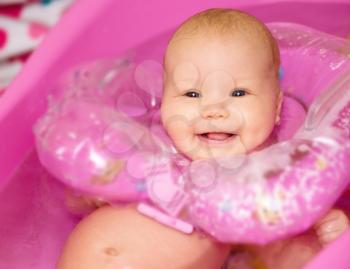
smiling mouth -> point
(216, 137)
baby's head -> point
(221, 89)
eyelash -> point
(242, 92)
(194, 94)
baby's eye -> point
(238, 92)
(192, 94)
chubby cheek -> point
(258, 127)
(182, 137)
(177, 127)
(177, 122)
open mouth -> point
(216, 137)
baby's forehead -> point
(205, 54)
(212, 40)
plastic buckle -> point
(165, 219)
(167, 197)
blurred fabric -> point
(23, 24)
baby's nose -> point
(214, 112)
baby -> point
(221, 98)
(221, 89)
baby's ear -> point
(279, 106)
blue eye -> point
(192, 94)
(238, 92)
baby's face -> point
(221, 96)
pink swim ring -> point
(105, 118)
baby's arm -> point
(80, 204)
(331, 226)
(291, 253)
(295, 252)
(123, 238)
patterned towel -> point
(23, 24)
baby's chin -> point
(215, 152)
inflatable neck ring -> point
(102, 136)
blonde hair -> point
(228, 22)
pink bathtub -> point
(33, 221)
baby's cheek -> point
(255, 135)
(178, 119)
(176, 126)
